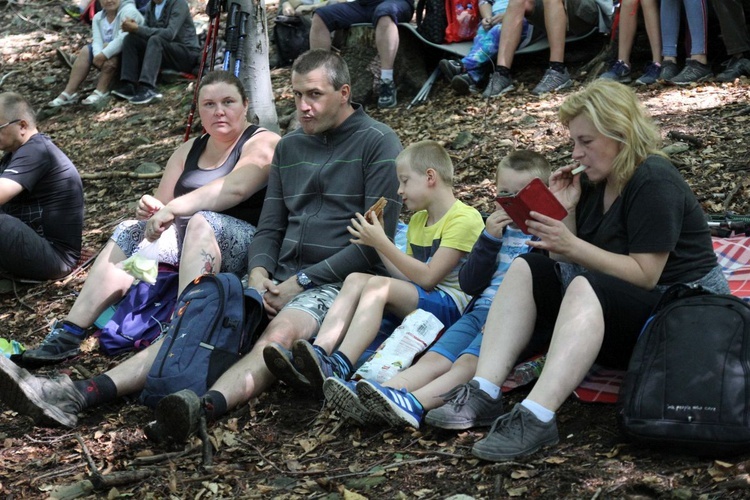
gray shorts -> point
(316, 302)
(583, 16)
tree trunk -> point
(255, 72)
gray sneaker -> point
(516, 434)
(387, 97)
(57, 346)
(691, 73)
(552, 81)
(668, 71)
(48, 401)
(464, 85)
(499, 84)
(342, 397)
(177, 418)
(733, 69)
(280, 361)
(465, 406)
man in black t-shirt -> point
(41, 198)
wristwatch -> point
(304, 281)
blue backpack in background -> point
(213, 326)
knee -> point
(376, 283)
(357, 279)
(110, 65)
(198, 228)
(581, 296)
(156, 43)
(279, 331)
(519, 7)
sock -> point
(73, 328)
(488, 387)
(342, 364)
(505, 71)
(557, 66)
(320, 350)
(215, 405)
(386, 74)
(538, 410)
(98, 390)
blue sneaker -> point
(397, 407)
(618, 71)
(342, 397)
(650, 74)
(313, 365)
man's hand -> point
(277, 296)
(129, 25)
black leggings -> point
(626, 307)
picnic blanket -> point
(602, 385)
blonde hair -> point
(523, 160)
(422, 155)
(615, 111)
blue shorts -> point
(343, 15)
(440, 304)
(464, 337)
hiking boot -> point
(464, 85)
(450, 68)
(342, 396)
(177, 418)
(618, 71)
(145, 95)
(397, 407)
(125, 91)
(49, 401)
(64, 99)
(552, 81)
(668, 71)
(516, 434)
(650, 74)
(692, 72)
(280, 362)
(499, 84)
(57, 346)
(387, 97)
(465, 406)
(313, 365)
(734, 68)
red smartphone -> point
(534, 196)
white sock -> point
(488, 387)
(386, 74)
(538, 410)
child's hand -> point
(368, 233)
(496, 222)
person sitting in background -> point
(734, 31)
(420, 390)
(103, 53)
(203, 214)
(619, 70)
(41, 198)
(466, 74)
(167, 39)
(696, 67)
(633, 229)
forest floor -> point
(283, 445)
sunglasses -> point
(9, 123)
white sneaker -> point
(95, 97)
(63, 99)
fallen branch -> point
(109, 175)
(162, 457)
(680, 136)
(2, 80)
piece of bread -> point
(377, 209)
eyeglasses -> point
(9, 123)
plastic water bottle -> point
(529, 371)
(464, 17)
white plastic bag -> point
(418, 330)
(144, 264)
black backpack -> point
(213, 326)
(687, 387)
(291, 35)
(432, 23)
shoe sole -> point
(387, 106)
(460, 86)
(283, 369)
(564, 86)
(346, 402)
(122, 96)
(699, 80)
(146, 101)
(503, 91)
(29, 356)
(306, 363)
(177, 416)
(454, 425)
(493, 455)
(378, 403)
(18, 394)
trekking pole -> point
(244, 16)
(230, 35)
(221, 5)
(213, 9)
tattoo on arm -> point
(209, 263)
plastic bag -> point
(144, 264)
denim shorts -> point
(343, 15)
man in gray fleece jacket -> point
(339, 162)
(166, 39)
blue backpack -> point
(142, 316)
(212, 327)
